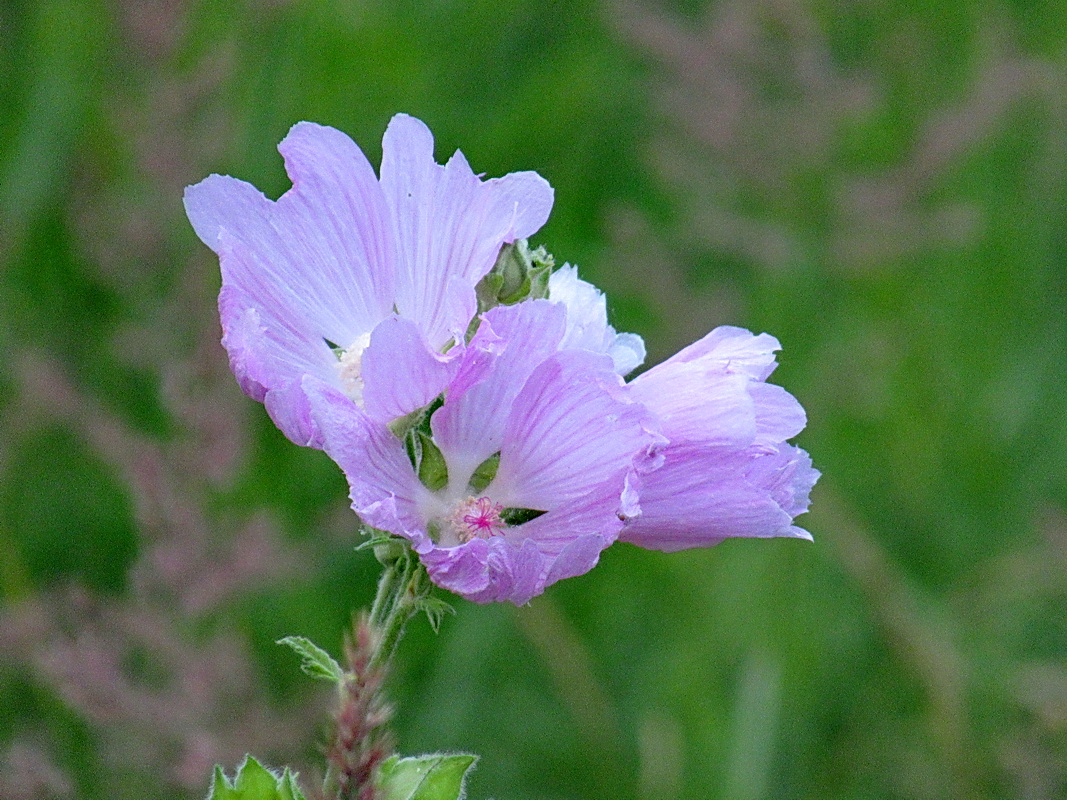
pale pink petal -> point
(779, 416)
(701, 496)
(587, 321)
(737, 349)
(323, 256)
(268, 357)
(696, 403)
(511, 341)
(401, 372)
(571, 428)
(385, 491)
(449, 224)
(488, 570)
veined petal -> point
(488, 570)
(511, 341)
(789, 477)
(736, 349)
(571, 429)
(385, 491)
(701, 496)
(698, 404)
(577, 557)
(779, 415)
(449, 223)
(587, 321)
(323, 255)
(401, 372)
(268, 356)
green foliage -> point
(254, 782)
(429, 777)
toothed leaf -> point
(435, 609)
(254, 782)
(315, 661)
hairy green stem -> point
(403, 584)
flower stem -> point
(362, 739)
(403, 585)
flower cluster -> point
(474, 395)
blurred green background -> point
(880, 184)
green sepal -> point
(431, 777)
(336, 348)
(517, 516)
(435, 609)
(418, 419)
(315, 661)
(254, 782)
(485, 473)
(388, 548)
(519, 293)
(433, 471)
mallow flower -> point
(309, 280)
(520, 477)
(727, 468)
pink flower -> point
(309, 280)
(570, 444)
(727, 470)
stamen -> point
(477, 518)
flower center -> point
(477, 517)
(349, 365)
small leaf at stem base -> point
(254, 782)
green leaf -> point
(254, 782)
(433, 471)
(315, 662)
(432, 777)
(485, 473)
(413, 448)
(517, 516)
(419, 419)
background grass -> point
(880, 185)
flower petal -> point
(701, 496)
(400, 371)
(385, 491)
(779, 415)
(488, 570)
(587, 321)
(571, 429)
(695, 403)
(511, 341)
(735, 348)
(322, 257)
(268, 357)
(449, 223)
